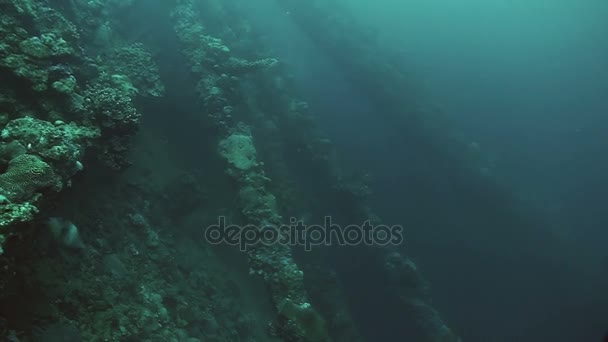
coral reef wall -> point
(122, 138)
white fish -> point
(65, 232)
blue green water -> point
(526, 84)
(133, 130)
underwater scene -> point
(303, 171)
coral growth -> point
(27, 174)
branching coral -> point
(108, 105)
(136, 62)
